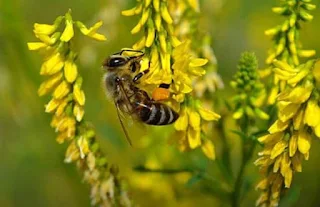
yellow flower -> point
(70, 70)
(47, 29)
(68, 31)
(92, 31)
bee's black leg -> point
(139, 75)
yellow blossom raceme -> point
(289, 138)
(287, 46)
(192, 117)
(67, 106)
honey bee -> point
(121, 80)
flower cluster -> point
(172, 63)
(289, 139)
(250, 91)
(67, 105)
(286, 38)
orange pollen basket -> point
(160, 94)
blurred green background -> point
(32, 172)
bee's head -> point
(115, 61)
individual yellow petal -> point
(52, 105)
(62, 90)
(238, 114)
(278, 149)
(278, 126)
(158, 21)
(62, 137)
(297, 95)
(208, 115)
(316, 71)
(288, 111)
(197, 62)
(144, 17)
(306, 53)
(165, 13)
(156, 5)
(298, 77)
(140, 44)
(263, 184)
(68, 31)
(53, 65)
(79, 95)
(283, 65)
(182, 123)
(194, 119)
(78, 112)
(36, 45)
(72, 153)
(194, 5)
(62, 107)
(163, 43)
(271, 138)
(208, 149)
(261, 114)
(150, 35)
(288, 178)
(70, 71)
(129, 12)
(193, 137)
(296, 162)
(273, 95)
(277, 163)
(92, 31)
(83, 146)
(136, 29)
(317, 131)
(47, 29)
(304, 141)
(298, 119)
(312, 113)
(48, 85)
(293, 144)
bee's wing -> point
(120, 116)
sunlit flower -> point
(289, 138)
(67, 106)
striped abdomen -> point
(155, 113)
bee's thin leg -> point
(139, 75)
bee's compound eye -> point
(116, 62)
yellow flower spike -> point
(129, 12)
(79, 95)
(62, 90)
(194, 137)
(72, 153)
(61, 107)
(298, 119)
(47, 29)
(53, 65)
(68, 31)
(92, 31)
(194, 119)
(293, 144)
(156, 5)
(278, 149)
(278, 126)
(165, 13)
(208, 115)
(83, 146)
(36, 45)
(52, 105)
(158, 21)
(304, 141)
(182, 123)
(312, 114)
(70, 70)
(78, 112)
(48, 85)
(271, 138)
(208, 149)
(151, 34)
